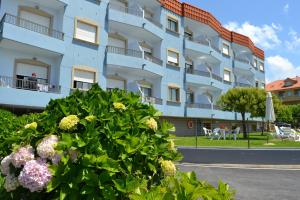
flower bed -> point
(98, 145)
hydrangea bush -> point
(99, 145)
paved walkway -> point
(253, 182)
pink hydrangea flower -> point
(35, 176)
(5, 164)
(22, 155)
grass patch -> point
(256, 141)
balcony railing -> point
(242, 60)
(199, 105)
(198, 72)
(154, 22)
(200, 41)
(123, 51)
(132, 11)
(217, 77)
(10, 82)
(152, 100)
(153, 59)
(217, 49)
(32, 26)
(227, 82)
(242, 84)
(217, 107)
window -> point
(172, 25)
(288, 83)
(289, 93)
(227, 75)
(255, 63)
(174, 94)
(261, 66)
(31, 74)
(173, 58)
(225, 49)
(86, 31)
(36, 16)
(189, 66)
(190, 97)
(256, 84)
(263, 85)
(83, 78)
(114, 83)
(147, 91)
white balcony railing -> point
(32, 26)
(10, 82)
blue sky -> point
(273, 25)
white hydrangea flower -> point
(5, 164)
(11, 183)
(46, 148)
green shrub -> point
(9, 126)
(110, 146)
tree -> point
(284, 114)
(240, 100)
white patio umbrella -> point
(270, 114)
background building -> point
(288, 90)
(177, 56)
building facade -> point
(177, 56)
(288, 90)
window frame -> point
(177, 90)
(86, 69)
(263, 66)
(229, 71)
(225, 45)
(88, 22)
(178, 57)
(176, 21)
(34, 63)
(37, 12)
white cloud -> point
(286, 8)
(264, 36)
(294, 43)
(279, 67)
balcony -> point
(237, 84)
(13, 28)
(242, 63)
(19, 92)
(195, 46)
(10, 82)
(290, 99)
(208, 79)
(129, 58)
(140, 25)
(152, 100)
(199, 105)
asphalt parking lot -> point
(252, 183)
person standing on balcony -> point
(33, 81)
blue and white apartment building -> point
(177, 56)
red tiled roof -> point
(279, 84)
(195, 13)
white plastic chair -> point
(281, 133)
(207, 132)
(216, 134)
(236, 132)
